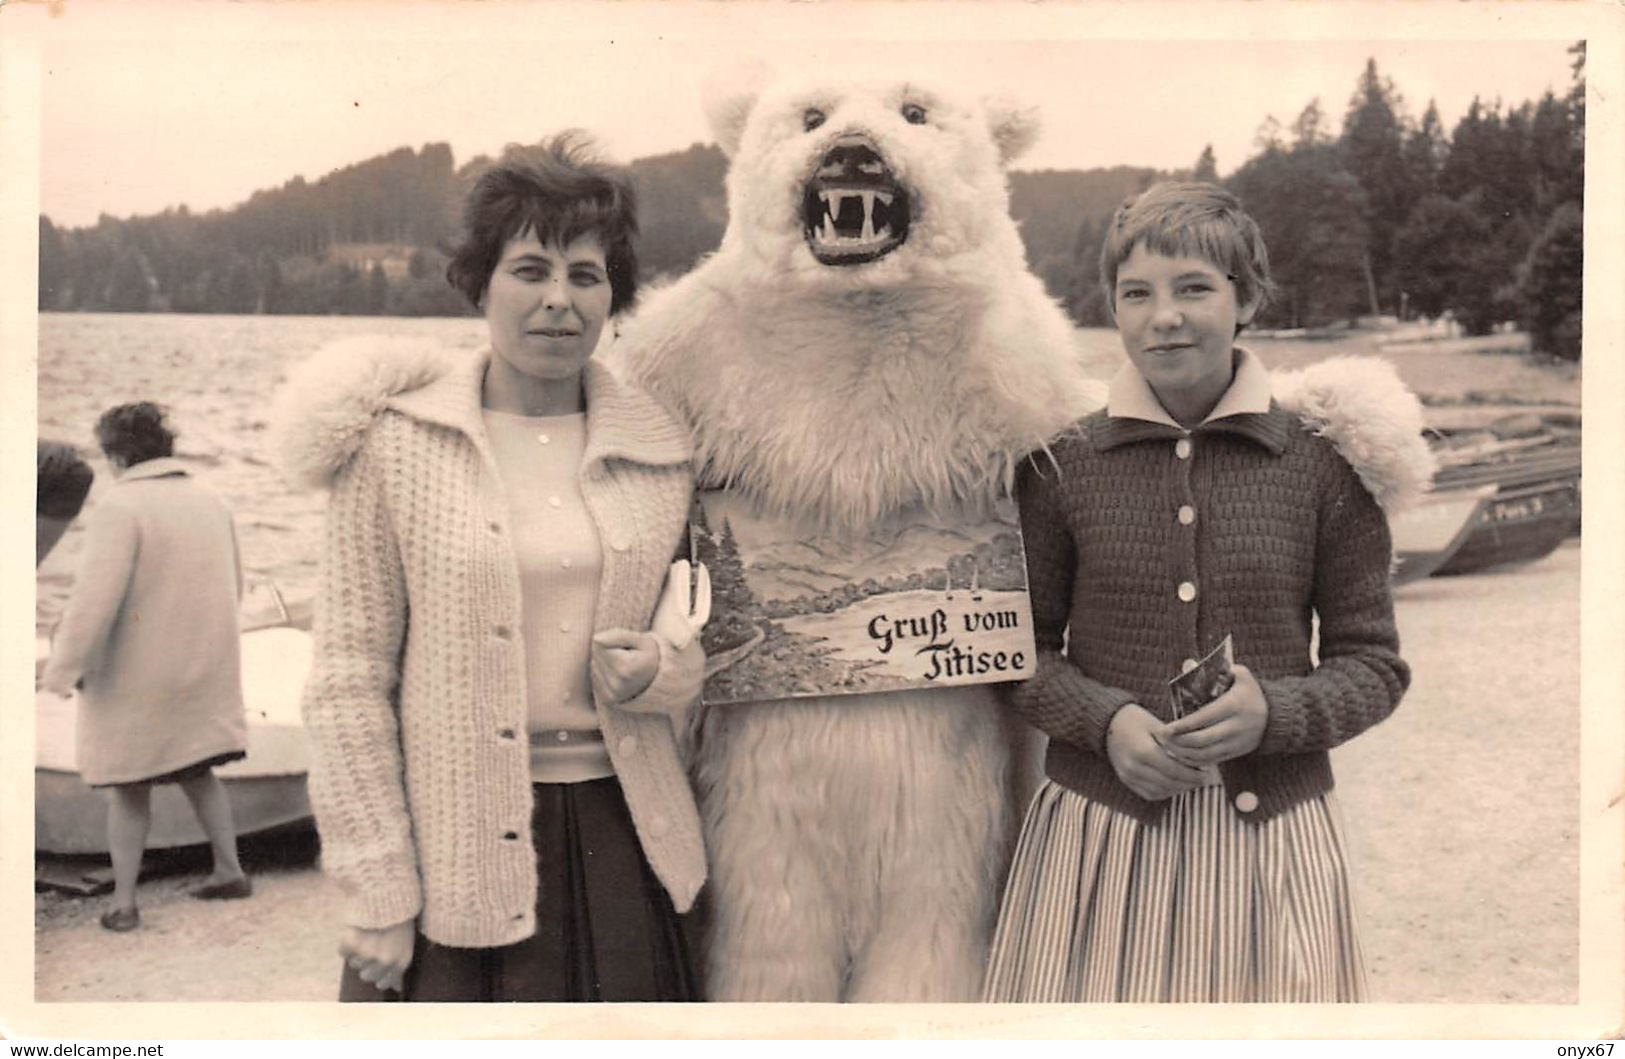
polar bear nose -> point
(852, 158)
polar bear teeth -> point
(833, 199)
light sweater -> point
(556, 547)
(416, 703)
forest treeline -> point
(1385, 212)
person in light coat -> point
(150, 639)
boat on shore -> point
(1524, 470)
(266, 788)
(1429, 534)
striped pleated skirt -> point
(1202, 906)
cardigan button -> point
(501, 632)
(619, 543)
(1187, 514)
(508, 733)
(510, 836)
(1188, 664)
(1246, 801)
(494, 527)
(1187, 591)
(1182, 448)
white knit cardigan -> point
(415, 706)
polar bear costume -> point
(866, 340)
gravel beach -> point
(1462, 812)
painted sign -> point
(917, 602)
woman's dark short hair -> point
(134, 433)
(559, 191)
(61, 480)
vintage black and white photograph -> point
(911, 504)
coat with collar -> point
(1147, 543)
(151, 629)
(416, 703)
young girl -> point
(1197, 858)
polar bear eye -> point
(812, 119)
(913, 113)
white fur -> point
(321, 415)
(857, 843)
(1362, 407)
(838, 395)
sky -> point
(151, 105)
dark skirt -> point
(194, 771)
(605, 927)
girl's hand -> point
(1230, 726)
(624, 663)
(1140, 762)
(380, 956)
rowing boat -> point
(266, 788)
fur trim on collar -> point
(1362, 407)
(322, 413)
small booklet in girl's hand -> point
(1210, 678)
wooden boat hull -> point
(1429, 534)
(71, 818)
(1520, 524)
(266, 789)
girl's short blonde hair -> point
(1189, 219)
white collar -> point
(1249, 392)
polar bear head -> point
(863, 182)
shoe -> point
(121, 920)
(224, 891)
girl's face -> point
(546, 305)
(1177, 317)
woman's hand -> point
(624, 664)
(380, 956)
(1230, 726)
(1139, 760)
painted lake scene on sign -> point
(922, 601)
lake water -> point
(216, 374)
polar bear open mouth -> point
(853, 209)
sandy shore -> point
(1462, 812)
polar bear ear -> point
(729, 97)
(1014, 127)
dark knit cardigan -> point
(1283, 530)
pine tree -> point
(1373, 150)
(1426, 149)
(1309, 128)
(1311, 212)
(1207, 168)
(1549, 282)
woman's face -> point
(546, 305)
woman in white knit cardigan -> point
(495, 731)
